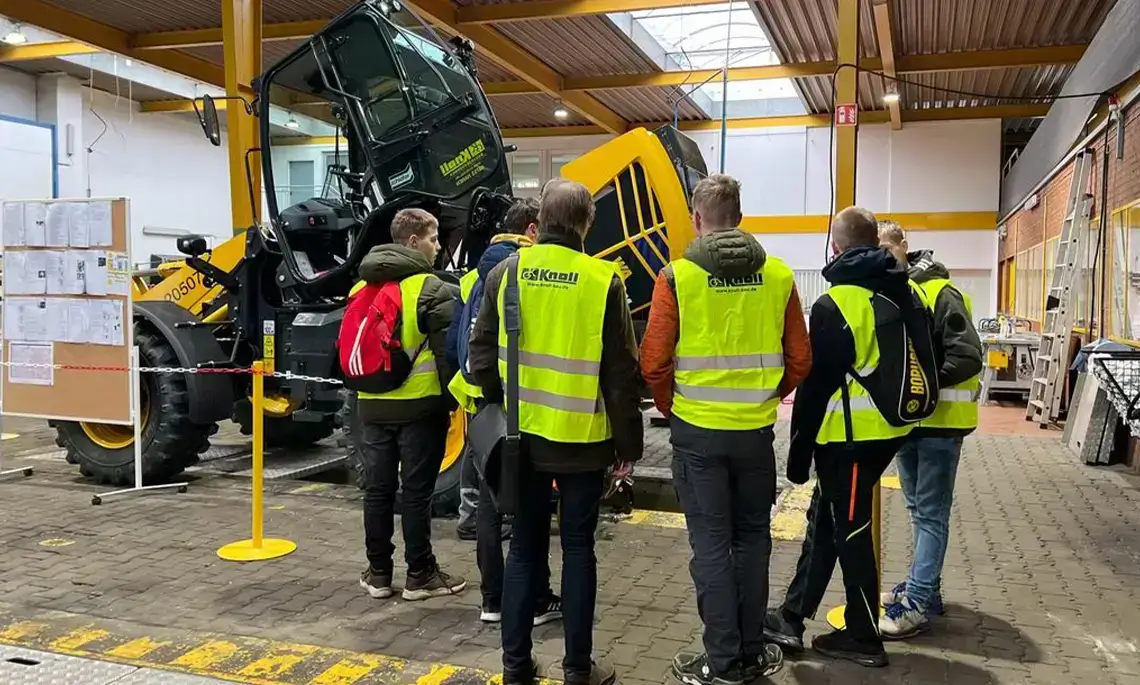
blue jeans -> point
(527, 572)
(927, 469)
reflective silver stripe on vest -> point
(552, 363)
(858, 403)
(955, 395)
(731, 395)
(551, 400)
(865, 371)
(730, 362)
(423, 367)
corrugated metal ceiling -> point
(523, 111)
(580, 46)
(646, 104)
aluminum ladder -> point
(1052, 357)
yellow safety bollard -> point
(837, 617)
(257, 548)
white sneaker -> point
(903, 620)
(490, 614)
(894, 595)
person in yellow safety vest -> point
(928, 461)
(578, 410)
(850, 447)
(477, 512)
(404, 432)
(725, 342)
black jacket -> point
(434, 308)
(833, 347)
(957, 340)
(620, 379)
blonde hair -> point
(412, 222)
(717, 199)
(891, 232)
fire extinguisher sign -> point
(847, 115)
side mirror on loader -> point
(208, 118)
(193, 245)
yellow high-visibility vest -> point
(467, 394)
(729, 358)
(424, 379)
(867, 424)
(562, 303)
(957, 405)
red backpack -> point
(368, 346)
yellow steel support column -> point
(241, 36)
(846, 94)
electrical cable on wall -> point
(900, 80)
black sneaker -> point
(527, 676)
(840, 645)
(491, 613)
(376, 583)
(432, 583)
(769, 663)
(694, 669)
(600, 673)
(549, 610)
(786, 632)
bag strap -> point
(512, 322)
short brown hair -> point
(855, 227)
(522, 213)
(412, 222)
(717, 198)
(891, 232)
(566, 208)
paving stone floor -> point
(1042, 578)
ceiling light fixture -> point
(891, 97)
(292, 123)
(560, 111)
(15, 36)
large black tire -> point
(171, 441)
(284, 431)
(445, 498)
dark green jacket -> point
(731, 254)
(388, 263)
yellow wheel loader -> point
(417, 132)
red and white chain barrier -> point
(288, 375)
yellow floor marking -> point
(77, 638)
(10, 436)
(891, 482)
(438, 674)
(207, 655)
(278, 662)
(790, 522)
(661, 519)
(21, 630)
(351, 669)
(56, 542)
(310, 487)
(136, 649)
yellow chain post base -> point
(837, 617)
(257, 548)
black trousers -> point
(489, 552)
(528, 566)
(726, 484)
(406, 457)
(839, 528)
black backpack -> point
(904, 386)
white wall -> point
(25, 161)
(17, 94)
(177, 182)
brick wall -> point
(1027, 228)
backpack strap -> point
(512, 323)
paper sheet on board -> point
(99, 224)
(78, 321)
(13, 224)
(26, 318)
(25, 273)
(58, 224)
(118, 270)
(106, 323)
(95, 272)
(40, 354)
(77, 224)
(35, 218)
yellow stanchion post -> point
(837, 617)
(257, 548)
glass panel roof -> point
(708, 36)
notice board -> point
(67, 301)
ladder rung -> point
(1037, 403)
(1045, 357)
(1043, 381)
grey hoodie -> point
(391, 262)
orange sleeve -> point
(797, 346)
(659, 343)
